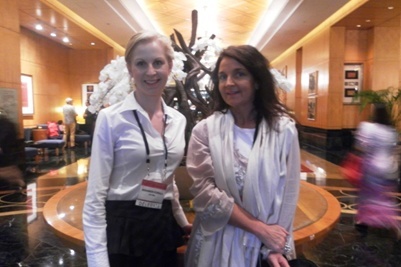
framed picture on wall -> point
(9, 104)
(27, 94)
(311, 108)
(353, 78)
(349, 92)
(351, 74)
(312, 86)
(87, 90)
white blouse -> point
(118, 166)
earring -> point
(132, 84)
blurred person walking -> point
(377, 143)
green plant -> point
(391, 97)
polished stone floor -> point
(27, 240)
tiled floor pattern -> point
(26, 240)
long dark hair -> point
(266, 102)
(381, 114)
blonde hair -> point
(147, 36)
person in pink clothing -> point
(377, 142)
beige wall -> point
(378, 49)
(57, 72)
(10, 51)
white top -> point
(379, 144)
(243, 140)
(270, 190)
(118, 166)
(69, 113)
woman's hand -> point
(273, 236)
(277, 260)
(187, 230)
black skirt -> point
(138, 231)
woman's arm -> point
(272, 236)
(94, 212)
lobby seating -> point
(37, 138)
(44, 144)
(31, 152)
(84, 139)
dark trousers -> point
(169, 259)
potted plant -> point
(391, 97)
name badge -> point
(151, 194)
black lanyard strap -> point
(145, 140)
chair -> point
(31, 152)
(49, 143)
(83, 138)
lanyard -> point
(145, 140)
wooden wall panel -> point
(57, 73)
(386, 64)
(85, 66)
(335, 92)
(9, 54)
(316, 58)
(351, 116)
(47, 62)
(356, 42)
(358, 45)
(9, 18)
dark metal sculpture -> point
(188, 89)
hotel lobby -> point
(326, 60)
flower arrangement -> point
(113, 87)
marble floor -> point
(27, 240)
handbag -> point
(351, 168)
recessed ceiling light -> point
(39, 27)
(66, 40)
(92, 43)
(390, 7)
(53, 34)
(368, 20)
(358, 26)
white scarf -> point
(264, 187)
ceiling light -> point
(390, 7)
(39, 27)
(368, 20)
(92, 43)
(358, 26)
(53, 34)
(66, 40)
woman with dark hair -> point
(377, 142)
(245, 163)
